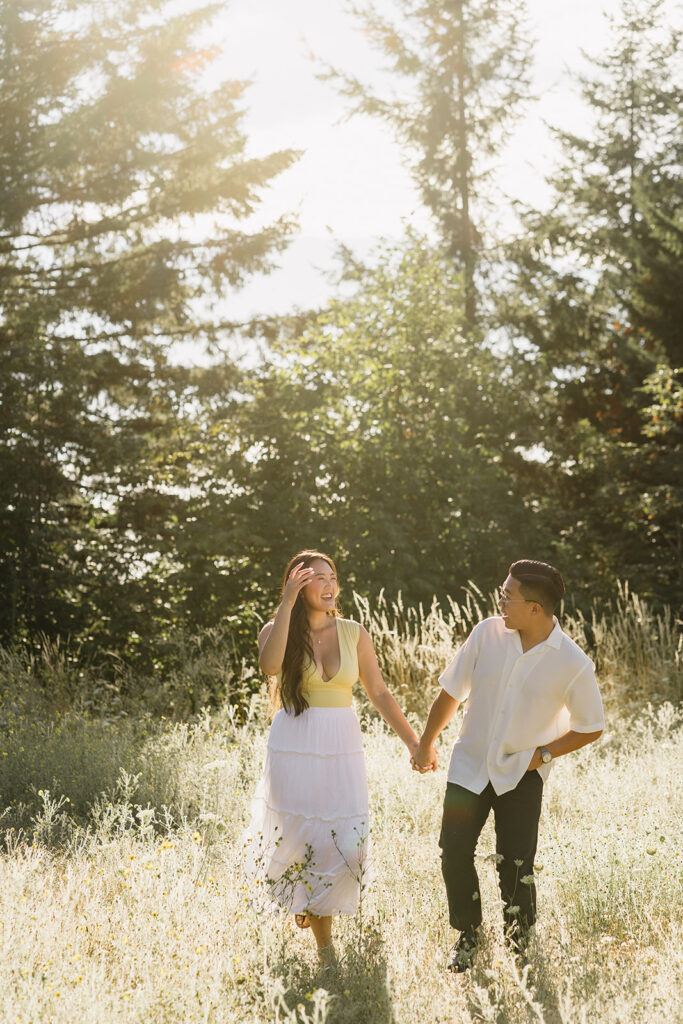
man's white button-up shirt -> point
(516, 701)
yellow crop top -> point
(337, 691)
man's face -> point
(516, 611)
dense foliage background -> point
(476, 399)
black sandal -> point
(302, 920)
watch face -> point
(546, 757)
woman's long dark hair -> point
(288, 691)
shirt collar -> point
(554, 640)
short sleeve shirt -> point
(516, 701)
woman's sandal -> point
(302, 921)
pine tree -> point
(595, 314)
(654, 302)
(461, 72)
(123, 185)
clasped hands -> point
(423, 758)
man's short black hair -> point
(538, 581)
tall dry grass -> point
(637, 650)
(121, 892)
(142, 915)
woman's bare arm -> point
(379, 694)
(440, 714)
(272, 641)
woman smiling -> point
(307, 843)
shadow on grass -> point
(505, 990)
(356, 989)
(543, 984)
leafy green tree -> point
(460, 70)
(387, 436)
(124, 183)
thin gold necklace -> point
(316, 639)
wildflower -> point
(527, 879)
(518, 863)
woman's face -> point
(320, 593)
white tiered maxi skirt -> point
(307, 845)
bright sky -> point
(350, 185)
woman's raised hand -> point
(298, 578)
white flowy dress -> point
(307, 844)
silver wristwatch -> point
(546, 756)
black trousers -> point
(516, 817)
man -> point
(532, 697)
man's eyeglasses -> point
(501, 599)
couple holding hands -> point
(531, 697)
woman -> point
(307, 844)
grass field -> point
(130, 906)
